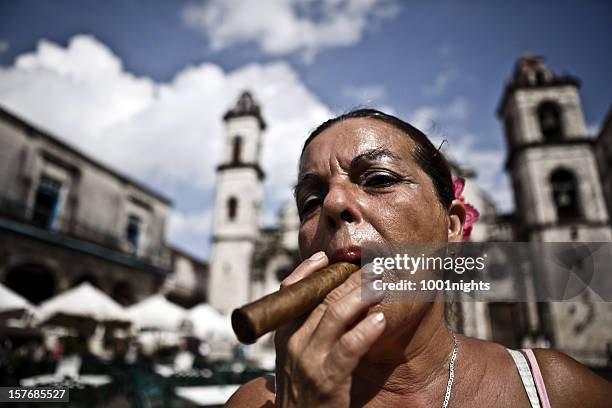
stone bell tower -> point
(237, 206)
(557, 191)
(550, 157)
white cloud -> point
(85, 77)
(458, 109)
(191, 229)
(432, 119)
(439, 84)
(424, 118)
(286, 26)
(4, 45)
(365, 94)
(167, 134)
(441, 123)
(464, 148)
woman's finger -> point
(353, 345)
(316, 262)
(353, 282)
(339, 316)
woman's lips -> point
(350, 254)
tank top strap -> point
(537, 376)
(526, 377)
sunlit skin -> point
(369, 189)
(357, 183)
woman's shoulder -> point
(569, 383)
(257, 393)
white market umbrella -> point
(12, 304)
(157, 313)
(208, 322)
(81, 304)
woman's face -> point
(358, 182)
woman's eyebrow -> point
(306, 179)
(373, 155)
(368, 156)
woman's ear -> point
(456, 221)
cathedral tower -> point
(558, 195)
(237, 205)
(551, 161)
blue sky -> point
(177, 65)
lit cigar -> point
(276, 309)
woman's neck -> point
(418, 374)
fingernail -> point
(379, 317)
(317, 256)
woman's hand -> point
(316, 355)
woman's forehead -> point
(345, 140)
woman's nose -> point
(339, 206)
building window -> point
(549, 116)
(237, 149)
(132, 232)
(232, 208)
(565, 194)
(46, 204)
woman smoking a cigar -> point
(369, 177)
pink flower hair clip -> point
(471, 213)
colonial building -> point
(66, 218)
(187, 284)
(560, 196)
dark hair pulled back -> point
(426, 155)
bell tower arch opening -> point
(237, 149)
(232, 208)
(550, 120)
(565, 194)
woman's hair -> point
(427, 156)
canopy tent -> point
(207, 322)
(83, 307)
(157, 313)
(12, 304)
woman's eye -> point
(378, 180)
(309, 205)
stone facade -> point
(66, 218)
(187, 284)
(603, 150)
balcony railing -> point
(17, 210)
